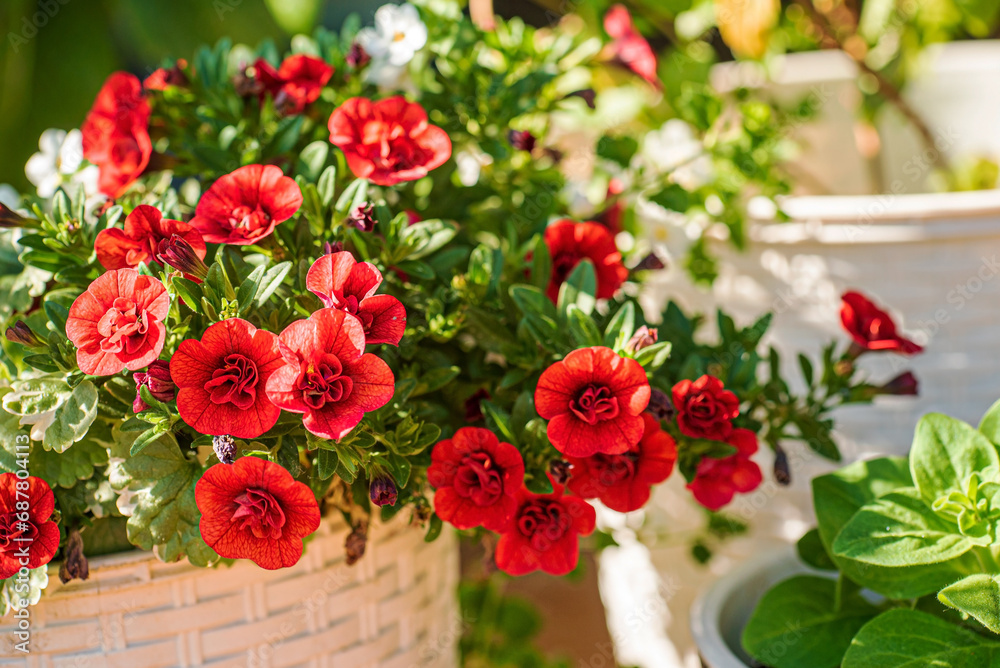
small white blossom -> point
(59, 161)
(469, 164)
(397, 36)
(675, 148)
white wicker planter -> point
(394, 608)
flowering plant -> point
(297, 289)
(921, 533)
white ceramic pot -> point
(395, 608)
(720, 613)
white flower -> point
(397, 36)
(60, 160)
(675, 148)
(470, 162)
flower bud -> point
(363, 218)
(357, 56)
(660, 405)
(11, 218)
(588, 95)
(644, 337)
(179, 254)
(383, 491)
(473, 408)
(19, 332)
(905, 384)
(225, 448)
(157, 380)
(781, 471)
(559, 471)
(521, 140)
(247, 83)
(651, 262)
(335, 247)
(354, 545)
(75, 565)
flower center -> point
(612, 469)
(322, 383)
(701, 407)
(248, 221)
(542, 522)
(15, 534)
(123, 327)
(594, 404)
(234, 383)
(479, 479)
(259, 512)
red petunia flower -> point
(622, 481)
(716, 481)
(871, 327)
(630, 48)
(244, 206)
(327, 374)
(221, 379)
(26, 533)
(297, 83)
(571, 242)
(144, 229)
(118, 322)
(593, 400)
(350, 286)
(389, 141)
(254, 509)
(544, 533)
(705, 409)
(116, 134)
(165, 77)
(477, 479)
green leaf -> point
(946, 452)
(538, 310)
(621, 327)
(579, 289)
(653, 357)
(797, 624)
(673, 198)
(13, 591)
(188, 290)
(326, 463)
(977, 596)
(36, 395)
(434, 527)
(66, 468)
(811, 551)
(247, 293)
(272, 281)
(541, 263)
(312, 158)
(327, 185)
(72, 419)
(57, 314)
(903, 638)
(423, 238)
(617, 149)
(162, 480)
(900, 529)
(434, 379)
(498, 421)
(285, 137)
(582, 328)
(148, 437)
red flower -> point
(221, 379)
(593, 400)
(544, 533)
(871, 327)
(254, 509)
(116, 135)
(717, 480)
(25, 530)
(244, 207)
(144, 229)
(571, 242)
(622, 481)
(297, 83)
(164, 77)
(477, 479)
(118, 322)
(705, 409)
(158, 381)
(630, 48)
(389, 141)
(350, 286)
(327, 374)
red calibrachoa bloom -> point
(593, 400)
(477, 479)
(244, 206)
(118, 322)
(296, 84)
(389, 141)
(221, 379)
(327, 374)
(165, 77)
(26, 507)
(705, 409)
(116, 134)
(144, 229)
(254, 509)
(716, 481)
(350, 286)
(571, 242)
(544, 533)
(622, 481)
(871, 327)
(630, 48)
